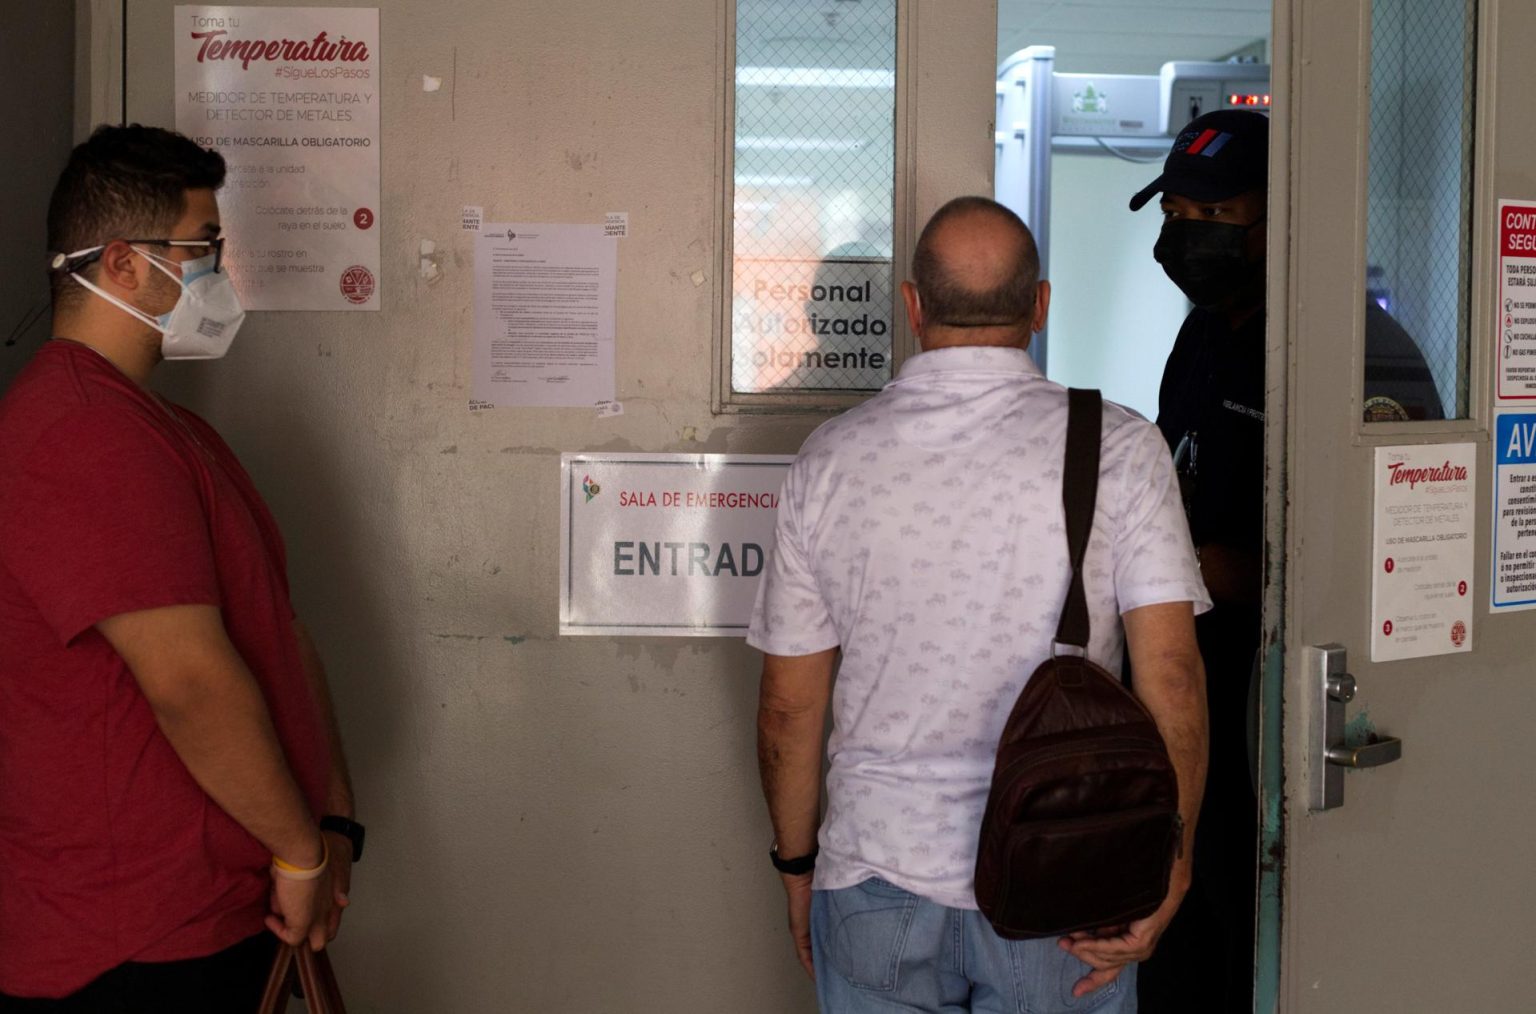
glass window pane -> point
(1418, 239)
(814, 195)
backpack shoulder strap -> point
(1079, 495)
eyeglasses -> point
(79, 259)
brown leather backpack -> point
(1082, 823)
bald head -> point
(976, 266)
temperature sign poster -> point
(290, 97)
(1422, 564)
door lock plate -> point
(1332, 687)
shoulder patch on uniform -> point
(1232, 406)
(1383, 409)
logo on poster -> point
(1458, 633)
(1401, 473)
(357, 284)
(321, 49)
(590, 488)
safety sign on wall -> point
(1421, 602)
(1515, 350)
(290, 97)
(665, 544)
(1514, 512)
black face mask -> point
(1207, 260)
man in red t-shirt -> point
(171, 778)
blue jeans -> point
(878, 948)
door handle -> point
(1333, 688)
(1371, 755)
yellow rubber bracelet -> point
(288, 871)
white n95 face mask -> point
(203, 322)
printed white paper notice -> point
(1421, 565)
(1515, 349)
(290, 97)
(1514, 512)
(616, 224)
(544, 314)
(470, 220)
(665, 544)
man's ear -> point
(1042, 306)
(914, 304)
(120, 268)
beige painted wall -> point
(37, 50)
(555, 824)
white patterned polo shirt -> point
(923, 532)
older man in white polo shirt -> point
(921, 535)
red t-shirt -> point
(109, 851)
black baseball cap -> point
(1219, 155)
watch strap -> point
(794, 867)
(347, 828)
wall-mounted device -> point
(1131, 116)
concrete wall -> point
(569, 825)
(37, 54)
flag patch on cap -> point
(1208, 143)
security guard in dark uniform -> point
(1211, 412)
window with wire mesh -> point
(1419, 201)
(814, 195)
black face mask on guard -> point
(1208, 261)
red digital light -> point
(1248, 100)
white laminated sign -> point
(1515, 375)
(1514, 512)
(1421, 602)
(545, 316)
(665, 544)
(290, 97)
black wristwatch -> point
(351, 829)
(794, 867)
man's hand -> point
(339, 796)
(798, 888)
(792, 707)
(340, 870)
(1108, 951)
(302, 910)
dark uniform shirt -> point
(1211, 412)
